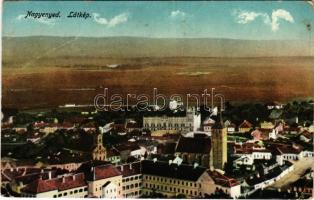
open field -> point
(77, 80)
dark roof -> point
(218, 125)
(167, 113)
(164, 169)
(167, 148)
(303, 183)
(194, 145)
(130, 169)
(127, 147)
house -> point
(256, 134)
(288, 152)
(306, 136)
(88, 127)
(34, 138)
(131, 179)
(49, 128)
(130, 149)
(302, 185)
(132, 125)
(230, 186)
(261, 180)
(207, 124)
(104, 181)
(70, 185)
(267, 125)
(119, 129)
(251, 151)
(113, 156)
(171, 179)
(245, 126)
(274, 105)
(231, 127)
(194, 150)
(22, 128)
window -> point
(59, 195)
(71, 192)
(75, 191)
(131, 179)
(65, 194)
(85, 189)
(81, 190)
(54, 196)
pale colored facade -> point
(171, 187)
(131, 186)
(97, 188)
(190, 122)
(99, 152)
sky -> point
(271, 20)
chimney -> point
(130, 166)
(121, 168)
(155, 160)
(73, 177)
(63, 179)
(49, 175)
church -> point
(209, 152)
(99, 152)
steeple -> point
(99, 152)
(218, 156)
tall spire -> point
(219, 122)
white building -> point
(189, 121)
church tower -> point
(99, 152)
(218, 156)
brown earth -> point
(56, 81)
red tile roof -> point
(105, 171)
(223, 180)
(60, 183)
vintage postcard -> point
(157, 99)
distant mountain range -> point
(17, 48)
